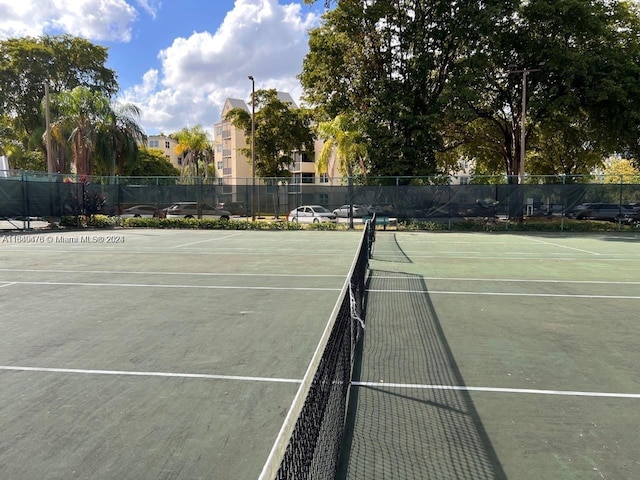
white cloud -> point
(263, 38)
(91, 19)
(150, 6)
(258, 37)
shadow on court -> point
(389, 250)
(395, 429)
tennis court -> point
(157, 354)
(177, 354)
(499, 356)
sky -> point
(179, 60)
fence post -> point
(25, 202)
(350, 201)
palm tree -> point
(344, 144)
(197, 150)
(79, 114)
(99, 136)
(119, 136)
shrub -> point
(323, 226)
(103, 221)
(72, 221)
(426, 226)
(141, 222)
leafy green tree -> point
(153, 163)
(197, 151)
(425, 76)
(562, 149)
(621, 170)
(582, 82)
(280, 130)
(389, 65)
(64, 62)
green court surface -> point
(499, 356)
(147, 354)
(144, 354)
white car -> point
(358, 211)
(195, 210)
(140, 211)
(311, 214)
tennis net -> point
(308, 445)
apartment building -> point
(231, 164)
(233, 167)
(167, 146)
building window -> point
(464, 180)
(220, 165)
(324, 178)
(324, 198)
(308, 177)
(153, 143)
(167, 145)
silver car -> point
(140, 211)
(358, 211)
(311, 214)
(195, 210)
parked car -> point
(602, 211)
(236, 208)
(195, 210)
(550, 209)
(311, 214)
(358, 211)
(483, 207)
(143, 211)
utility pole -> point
(50, 169)
(523, 130)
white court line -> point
(609, 257)
(206, 376)
(497, 390)
(561, 246)
(197, 274)
(508, 294)
(7, 284)
(503, 280)
(150, 374)
(73, 250)
(205, 241)
(148, 285)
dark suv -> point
(604, 211)
(236, 208)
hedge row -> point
(470, 225)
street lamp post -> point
(253, 147)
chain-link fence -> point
(27, 194)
